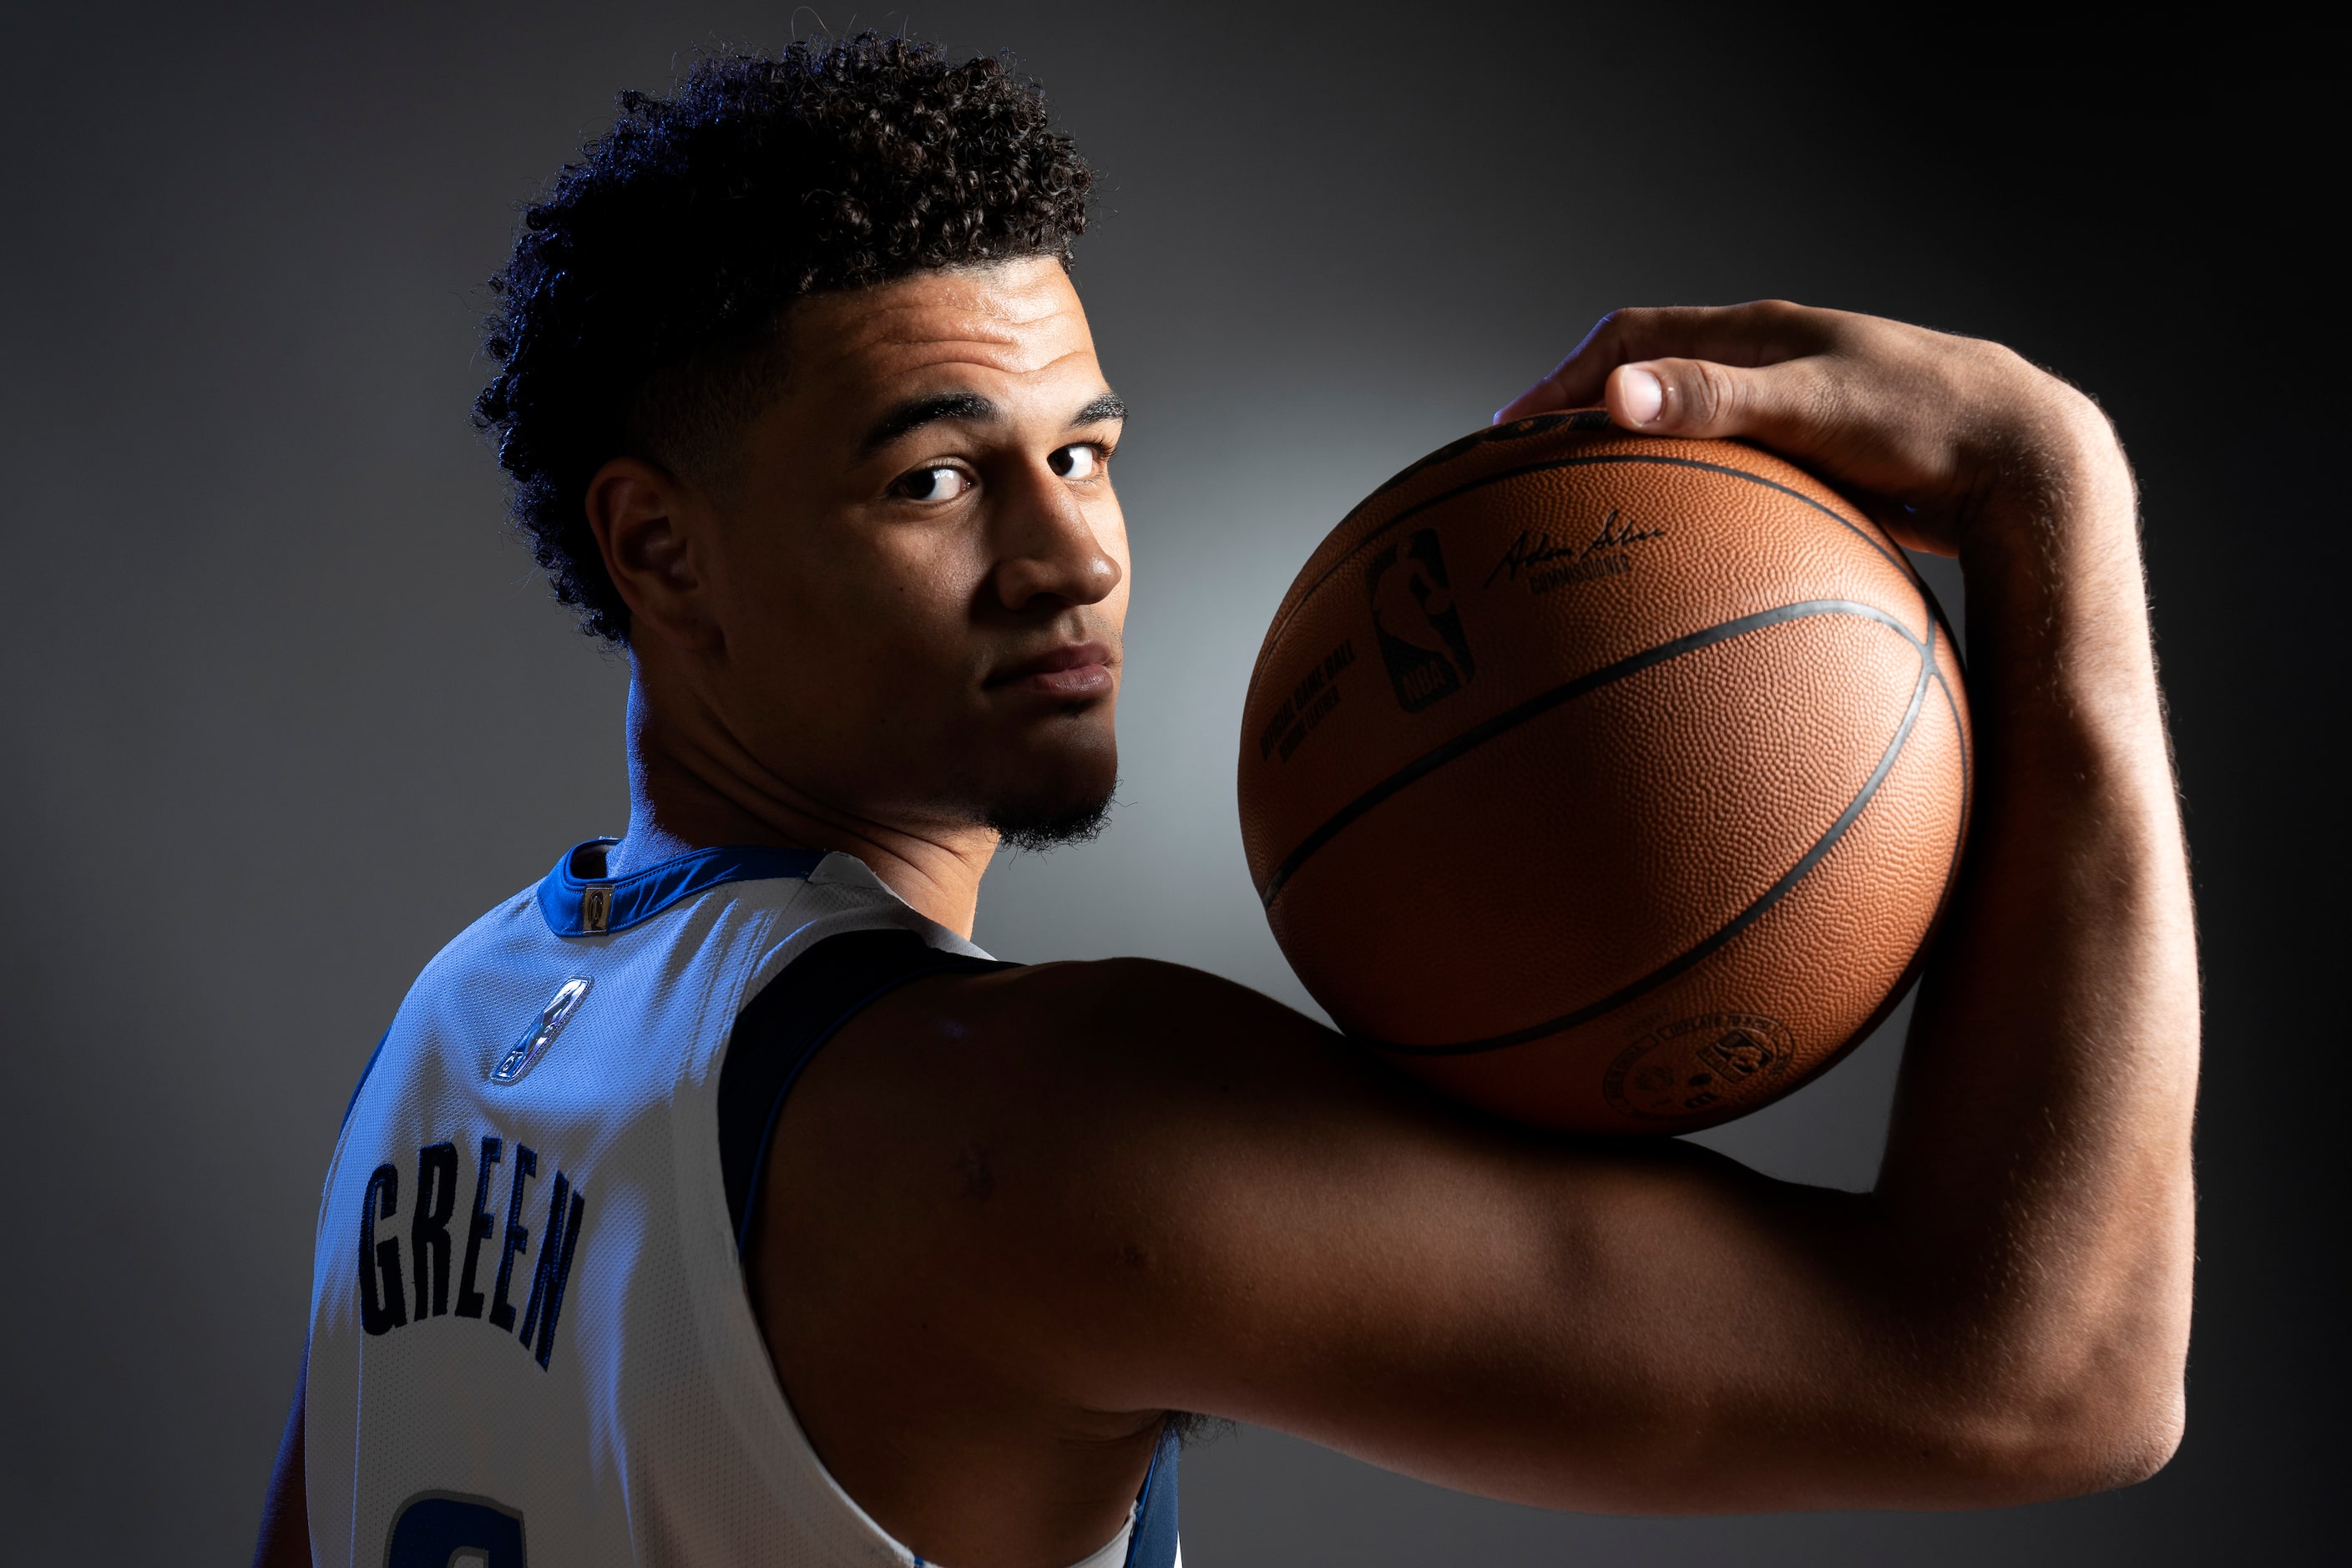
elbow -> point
(2062, 1399)
(2118, 1450)
(2057, 1441)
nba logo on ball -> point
(1414, 617)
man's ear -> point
(651, 528)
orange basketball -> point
(1610, 783)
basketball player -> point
(715, 1200)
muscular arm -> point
(1061, 1199)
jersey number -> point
(434, 1530)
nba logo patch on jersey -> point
(540, 1034)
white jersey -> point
(529, 1336)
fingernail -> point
(1643, 393)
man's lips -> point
(1074, 670)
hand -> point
(1933, 434)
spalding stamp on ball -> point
(1698, 1065)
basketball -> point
(1609, 782)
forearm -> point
(2037, 1176)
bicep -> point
(1211, 1202)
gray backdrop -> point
(286, 707)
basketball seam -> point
(1960, 725)
(1652, 459)
(1912, 971)
(1543, 703)
(1690, 958)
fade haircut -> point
(640, 312)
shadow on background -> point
(286, 708)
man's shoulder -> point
(1036, 1013)
(1082, 1065)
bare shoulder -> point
(1142, 1186)
(987, 1204)
(1060, 1094)
(1055, 1116)
(1078, 1147)
(1055, 1202)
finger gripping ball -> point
(1610, 783)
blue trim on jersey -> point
(352, 1104)
(1153, 1545)
(641, 895)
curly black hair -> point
(639, 314)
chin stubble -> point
(1038, 830)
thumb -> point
(1702, 398)
(1796, 407)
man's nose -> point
(1049, 552)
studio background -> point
(285, 705)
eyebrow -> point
(916, 413)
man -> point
(715, 1199)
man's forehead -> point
(1020, 319)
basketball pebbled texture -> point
(1610, 783)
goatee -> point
(1079, 823)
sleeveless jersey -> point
(529, 1336)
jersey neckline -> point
(577, 905)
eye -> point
(942, 483)
(1083, 461)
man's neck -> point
(688, 792)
